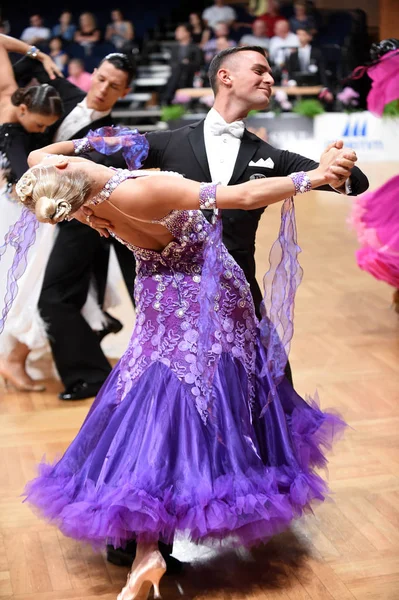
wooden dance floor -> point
(345, 347)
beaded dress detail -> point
(175, 443)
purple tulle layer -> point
(148, 468)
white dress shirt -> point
(79, 117)
(221, 150)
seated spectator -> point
(302, 20)
(282, 43)
(77, 74)
(218, 13)
(120, 32)
(200, 33)
(211, 48)
(272, 17)
(36, 33)
(57, 53)
(186, 60)
(88, 34)
(257, 37)
(65, 28)
(306, 60)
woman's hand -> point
(336, 163)
(86, 216)
(52, 70)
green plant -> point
(308, 108)
(172, 112)
(391, 109)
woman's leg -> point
(13, 369)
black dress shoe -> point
(112, 326)
(80, 390)
(124, 557)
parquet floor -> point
(345, 346)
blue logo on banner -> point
(356, 129)
(357, 136)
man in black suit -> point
(306, 62)
(79, 252)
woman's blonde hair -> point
(52, 194)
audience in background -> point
(302, 19)
(88, 33)
(258, 23)
(200, 33)
(211, 48)
(65, 28)
(257, 37)
(36, 33)
(59, 56)
(186, 60)
(271, 17)
(282, 43)
(77, 74)
(306, 62)
(119, 32)
(219, 12)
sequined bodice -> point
(167, 291)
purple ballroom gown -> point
(184, 439)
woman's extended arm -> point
(162, 194)
(8, 84)
(155, 196)
(11, 44)
(67, 148)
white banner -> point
(374, 139)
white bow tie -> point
(236, 129)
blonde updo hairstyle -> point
(53, 194)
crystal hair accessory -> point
(301, 181)
(24, 187)
(63, 207)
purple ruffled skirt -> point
(148, 468)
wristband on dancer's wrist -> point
(301, 181)
(81, 146)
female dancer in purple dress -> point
(196, 432)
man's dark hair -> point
(123, 62)
(219, 59)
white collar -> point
(98, 114)
(214, 116)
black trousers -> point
(77, 255)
